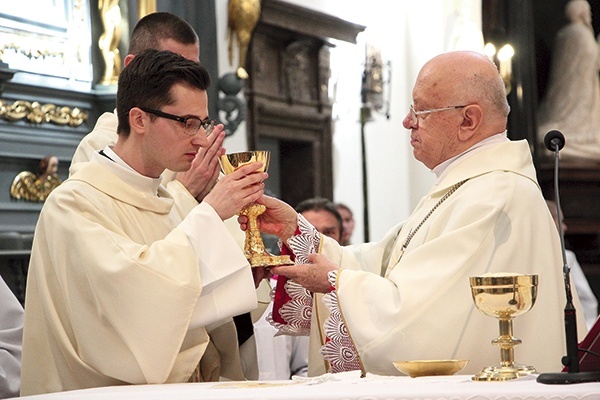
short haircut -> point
(321, 204)
(148, 79)
(153, 28)
(345, 207)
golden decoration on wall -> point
(110, 13)
(146, 7)
(31, 53)
(29, 187)
(242, 19)
(37, 113)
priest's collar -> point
(111, 160)
(497, 138)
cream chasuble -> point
(419, 305)
(120, 287)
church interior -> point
(284, 87)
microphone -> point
(555, 141)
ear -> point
(137, 121)
(472, 119)
(128, 59)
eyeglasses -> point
(191, 125)
(414, 114)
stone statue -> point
(572, 101)
(29, 187)
(110, 12)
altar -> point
(344, 386)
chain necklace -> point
(412, 232)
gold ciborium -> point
(254, 248)
(504, 296)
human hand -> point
(203, 174)
(279, 218)
(260, 273)
(233, 191)
(313, 276)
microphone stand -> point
(571, 360)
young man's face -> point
(167, 146)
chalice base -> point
(268, 260)
(504, 373)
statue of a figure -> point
(110, 12)
(29, 187)
(241, 21)
(572, 101)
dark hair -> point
(153, 28)
(345, 207)
(321, 204)
(147, 82)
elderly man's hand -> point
(313, 276)
(279, 218)
(203, 174)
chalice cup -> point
(254, 248)
(504, 296)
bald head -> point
(468, 77)
(459, 99)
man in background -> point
(348, 221)
(589, 301)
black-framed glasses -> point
(414, 114)
(191, 125)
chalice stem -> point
(506, 342)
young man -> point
(408, 297)
(121, 286)
(165, 31)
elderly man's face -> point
(434, 135)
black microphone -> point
(555, 141)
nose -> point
(408, 121)
(200, 139)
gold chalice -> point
(504, 296)
(254, 248)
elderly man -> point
(408, 296)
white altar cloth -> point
(342, 386)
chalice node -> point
(504, 296)
(254, 248)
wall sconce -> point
(503, 59)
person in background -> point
(165, 31)
(11, 337)
(130, 300)
(348, 220)
(323, 215)
(283, 356)
(589, 301)
(407, 297)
